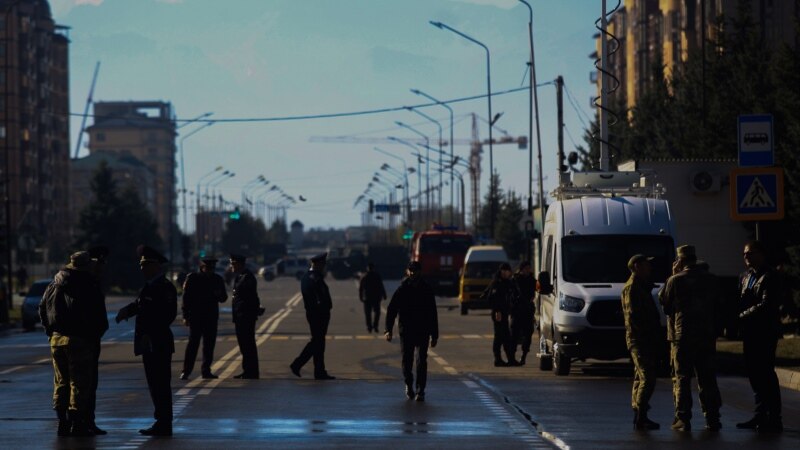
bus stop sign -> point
(756, 141)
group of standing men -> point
(511, 297)
(691, 300)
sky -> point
(280, 58)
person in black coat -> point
(415, 304)
(203, 291)
(318, 304)
(155, 309)
(371, 291)
(522, 312)
(246, 309)
(761, 328)
(502, 293)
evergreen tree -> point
(484, 219)
(246, 235)
(119, 221)
(508, 231)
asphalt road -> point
(470, 404)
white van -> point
(480, 265)
(589, 235)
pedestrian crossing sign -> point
(757, 194)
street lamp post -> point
(419, 169)
(439, 126)
(533, 106)
(450, 110)
(443, 26)
(427, 167)
(183, 166)
(405, 178)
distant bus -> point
(441, 253)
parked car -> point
(480, 265)
(30, 304)
(290, 266)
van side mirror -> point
(543, 285)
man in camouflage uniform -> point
(690, 301)
(643, 335)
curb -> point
(788, 379)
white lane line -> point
(16, 368)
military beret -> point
(148, 254)
(686, 251)
(320, 258)
(635, 259)
(235, 257)
(209, 261)
(414, 266)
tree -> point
(246, 235)
(119, 221)
(278, 234)
(508, 232)
(484, 219)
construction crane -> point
(86, 109)
(476, 149)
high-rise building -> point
(34, 132)
(146, 131)
(650, 31)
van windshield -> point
(604, 258)
(481, 269)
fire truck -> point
(441, 253)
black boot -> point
(64, 424)
(80, 427)
(498, 362)
(522, 358)
(751, 424)
(642, 423)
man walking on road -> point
(246, 309)
(761, 328)
(203, 291)
(415, 305)
(155, 309)
(643, 336)
(72, 312)
(690, 301)
(371, 291)
(318, 305)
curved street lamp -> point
(439, 126)
(450, 110)
(492, 119)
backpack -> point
(56, 309)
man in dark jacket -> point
(760, 324)
(371, 292)
(415, 305)
(246, 309)
(203, 291)
(99, 255)
(502, 293)
(318, 305)
(72, 312)
(523, 310)
(155, 309)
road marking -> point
(471, 336)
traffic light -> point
(234, 215)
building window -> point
(101, 137)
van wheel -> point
(561, 363)
(464, 310)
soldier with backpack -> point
(72, 312)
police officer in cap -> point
(246, 309)
(415, 304)
(155, 309)
(203, 291)
(318, 305)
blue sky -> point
(269, 58)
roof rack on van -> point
(607, 184)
